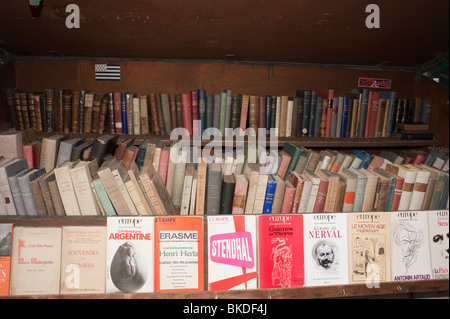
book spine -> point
(321, 196)
(227, 194)
(209, 111)
(165, 106)
(103, 112)
(288, 200)
(253, 115)
(223, 112)
(136, 116)
(244, 112)
(202, 109)
(145, 128)
(194, 111)
(268, 200)
(420, 187)
(154, 115)
(103, 197)
(123, 112)
(48, 110)
(164, 164)
(202, 169)
(260, 194)
(345, 109)
(173, 110)
(240, 195)
(185, 200)
(187, 112)
(268, 115)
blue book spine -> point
(346, 101)
(444, 198)
(202, 109)
(390, 119)
(268, 115)
(268, 201)
(123, 103)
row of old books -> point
(167, 254)
(72, 177)
(311, 113)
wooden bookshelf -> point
(212, 46)
(310, 142)
(335, 291)
(339, 291)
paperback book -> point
(179, 253)
(410, 250)
(129, 254)
(6, 231)
(280, 251)
(439, 243)
(232, 259)
(326, 257)
(369, 247)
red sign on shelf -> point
(374, 83)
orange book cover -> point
(179, 253)
(6, 231)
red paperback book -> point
(281, 252)
(164, 163)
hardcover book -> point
(232, 256)
(280, 251)
(6, 231)
(179, 253)
(438, 223)
(36, 250)
(369, 247)
(410, 250)
(129, 254)
(325, 241)
(83, 259)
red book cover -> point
(325, 122)
(164, 163)
(285, 160)
(376, 162)
(398, 187)
(321, 196)
(117, 113)
(32, 152)
(281, 252)
(186, 109)
(418, 159)
(288, 200)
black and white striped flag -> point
(107, 72)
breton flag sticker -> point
(107, 72)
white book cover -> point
(410, 250)
(438, 225)
(325, 244)
(232, 257)
(129, 254)
(83, 257)
(36, 261)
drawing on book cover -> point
(410, 240)
(368, 257)
(282, 258)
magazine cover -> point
(280, 248)
(369, 247)
(438, 226)
(179, 253)
(326, 257)
(6, 231)
(232, 258)
(410, 250)
(129, 254)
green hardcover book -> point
(223, 111)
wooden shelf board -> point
(338, 291)
(310, 142)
